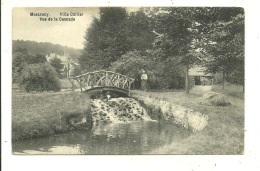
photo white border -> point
(249, 161)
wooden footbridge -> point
(103, 81)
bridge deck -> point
(102, 89)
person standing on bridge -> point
(144, 79)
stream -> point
(139, 137)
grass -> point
(224, 133)
(43, 114)
(66, 84)
(231, 90)
(40, 114)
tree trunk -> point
(223, 80)
(187, 78)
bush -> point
(18, 64)
(39, 77)
(161, 74)
(214, 99)
(56, 63)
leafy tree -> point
(226, 37)
(140, 31)
(38, 58)
(56, 63)
(18, 65)
(175, 36)
(131, 64)
(201, 35)
(21, 58)
(106, 39)
(39, 77)
(161, 75)
(76, 70)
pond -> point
(140, 137)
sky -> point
(66, 33)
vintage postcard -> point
(124, 81)
(121, 85)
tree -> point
(56, 63)
(38, 58)
(201, 35)
(105, 40)
(226, 44)
(18, 65)
(161, 75)
(140, 31)
(175, 36)
(76, 70)
(39, 77)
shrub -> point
(39, 77)
(18, 64)
(56, 63)
(214, 99)
(161, 74)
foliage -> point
(169, 41)
(140, 31)
(76, 70)
(225, 42)
(21, 58)
(39, 77)
(34, 48)
(114, 34)
(213, 36)
(106, 39)
(160, 74)
(56, 63)
(131, 64)
(18, 64)
(177, 37)
(38, 58)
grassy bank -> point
(224, 133)
(42, 114)
(231, 90)
(66, 84)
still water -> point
(115, 138)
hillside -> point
(45, 48)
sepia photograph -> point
(128, 80)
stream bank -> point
(44, 114)
(224, 133)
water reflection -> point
(115, 138)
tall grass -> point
(230, 89)
(224, 133)
(42, 114)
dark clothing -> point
(144, 85)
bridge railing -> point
(102, 79)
